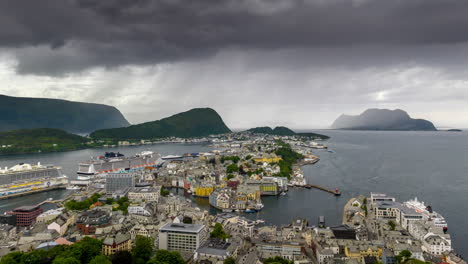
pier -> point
(335, 192)
(14, 195)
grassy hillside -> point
(197, 122)
(39, 140)
(25, 113)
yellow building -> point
(119, 242)
(267, 159)
(203, 191)
(248, 192)
(358, 252)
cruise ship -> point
(26, 178)
(112, 162)
(427, 212)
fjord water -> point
(432, 166)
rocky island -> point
(382, 119)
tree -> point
(403, 256)
(229, 260)
(86, 249)
(101, 259)
(232, 168)
(66, 260)
(164, 192)
(218, 232)
(187, 220)
(35, 256)
(230, 176)
(122, 257)
(143, 249)
(392, 225)
(277, 260)
(12, 258)
(167, 257)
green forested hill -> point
(283, 131)
(197, 122)
(25, 113)
(39, 139)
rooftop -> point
(26, 208)
(180, 227)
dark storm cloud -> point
(58, 36)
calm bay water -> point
(432, 166)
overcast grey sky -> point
(299, 63)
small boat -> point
(249, 211)
(283, 193)
(331, 151)
(259, 207)
(73, 188)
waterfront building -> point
(119, 181)
(204, 191)
(436, 244)
(248, 193)
(267, 187)
(26, 215)
(407, 215)
(282, 182)
(182, 237)
(386, 209)
(115, 243)
(147, 194)
(381, 197)
(221, 198)
(89, 221)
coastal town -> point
(147, 200)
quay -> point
(9, 196)
(335, 192)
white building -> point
(436, 244)
(147, 194)
(138, 210)
(182, 237)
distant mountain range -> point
(283, 131)
(382, 119)
(76, 117)
(198, 122)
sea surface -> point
(432, 166)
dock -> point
(14, 195)
(335, 192)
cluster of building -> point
(378, 228)
(233, 179)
